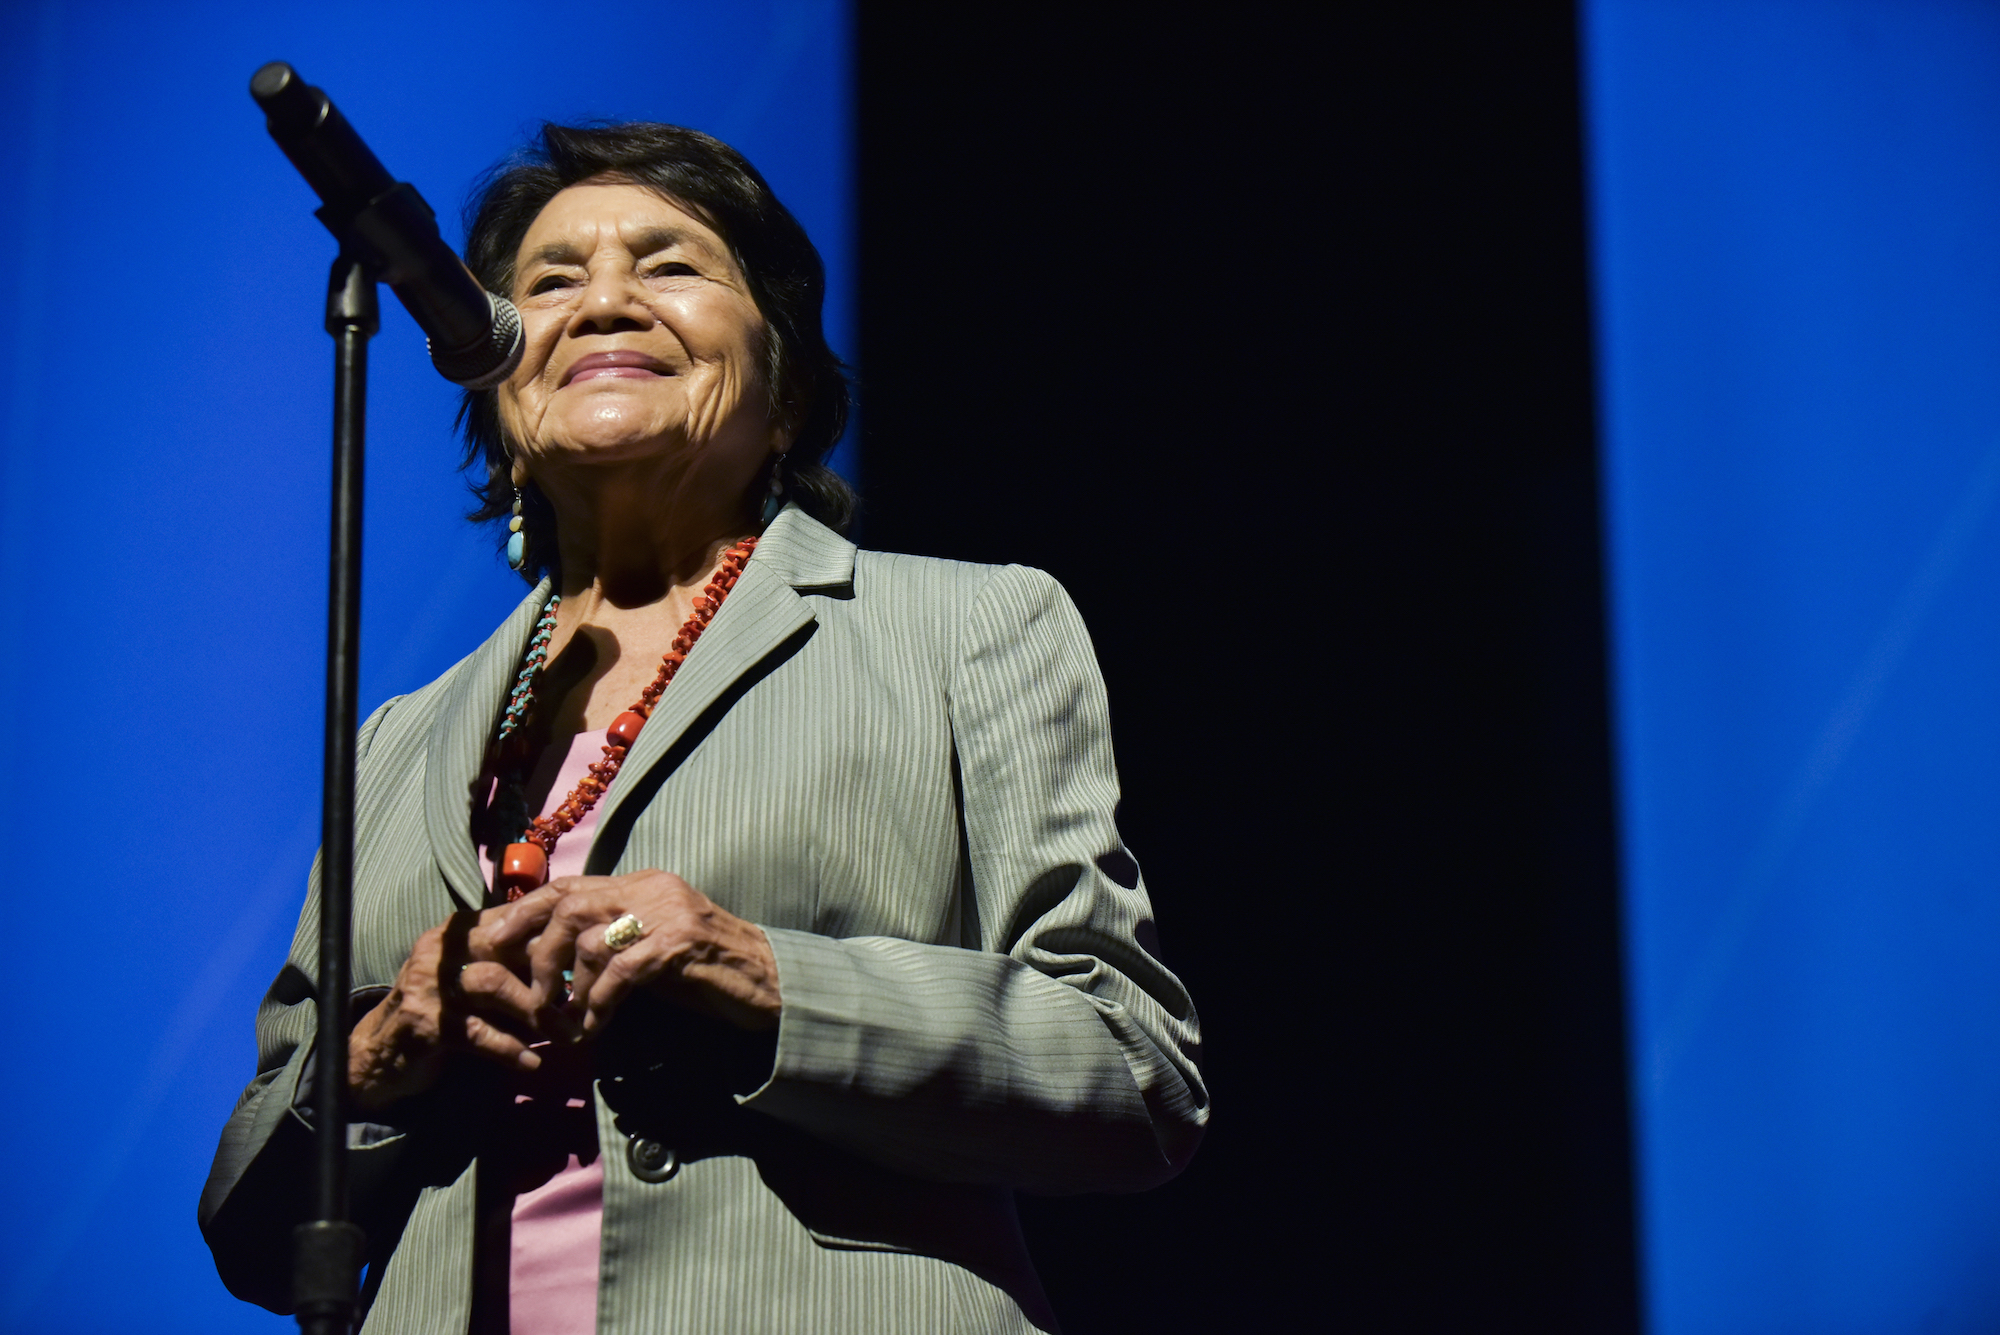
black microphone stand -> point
(327, 1252)
(387, 234)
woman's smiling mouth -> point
(624, 365)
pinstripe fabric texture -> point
(901, 769)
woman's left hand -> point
(691, 950)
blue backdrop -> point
(163, 494)
(1797, 232)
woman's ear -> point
(517, 472)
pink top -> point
(553, 1261)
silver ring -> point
(624, 930)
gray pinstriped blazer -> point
(901, 768)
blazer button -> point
(651, 1161)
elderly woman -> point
(745, 921)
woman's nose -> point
(613, 299)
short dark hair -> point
(807, 382)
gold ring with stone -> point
(624, 930)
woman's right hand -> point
(460, 990)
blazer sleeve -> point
(259, 1185)
(1060, 1055)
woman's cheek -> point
(511, 416)
(710, 399)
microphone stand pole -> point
(387, 234)
(327, 1252)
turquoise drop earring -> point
(517, 541)
(775, 502)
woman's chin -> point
(601, 442)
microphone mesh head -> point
(484, 365)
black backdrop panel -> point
(1270, 340)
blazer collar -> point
(762, 612)
(805, 553)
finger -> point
(605, 977)
(550, 955)
(555, 949)
(494, 989)
(508, 926)
(628, 969)
(591, 957)
(491, 1041)
(571, 885)
(586, 964)
(508, 942)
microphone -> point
(475, 337)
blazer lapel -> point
(457, 749)
(761, 613)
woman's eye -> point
(548, 282)
(673, 269)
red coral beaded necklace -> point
(525, 865)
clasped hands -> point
(493, 982)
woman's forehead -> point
(583, 218)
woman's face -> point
(642, 339)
